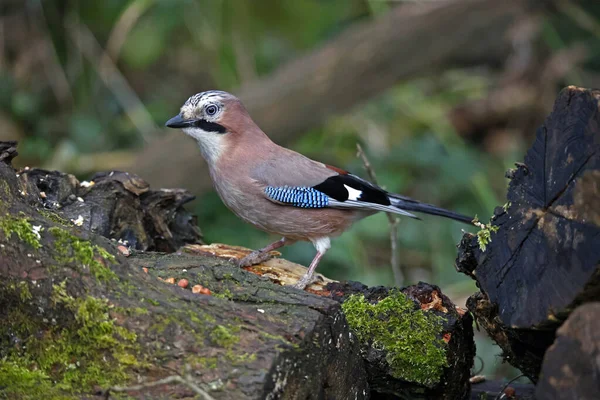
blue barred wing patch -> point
(298, 196)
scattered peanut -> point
(183, 283)
(145, 269)
(199, 289)
(170, 280)
(124, 250)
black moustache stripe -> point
(209, 126)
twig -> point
(480, 370)
(2, 46)
(501, 393)
(57, 77)
(169, 379)
(244, 56)
(580, 16)
(394, 222)
(121, 29)
(111, 76)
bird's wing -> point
(291, 179)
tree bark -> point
(366, 59)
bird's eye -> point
(211, 110)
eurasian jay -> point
(278, 190)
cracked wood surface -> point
(544, 259)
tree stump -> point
(543, 260)
(83, 313)
(571, 369)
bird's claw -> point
(256, 257)
(304, 282)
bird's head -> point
(213, 118)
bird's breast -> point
(246, 199)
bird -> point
(278, 190)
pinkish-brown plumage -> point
(251, 161)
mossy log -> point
(544, 255)
(82, 313)
(392, 349)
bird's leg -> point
(258, 256)
(307, 278)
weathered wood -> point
(79, 316)
(119, 206)
(571, 369)
(543, 261)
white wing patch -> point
(353, 194)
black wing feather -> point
(334, 188)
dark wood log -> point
(82, 313)
(543, 260)
(361, 62)
(571, 369)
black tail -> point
(408, 204)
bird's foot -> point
(256, 257)
(304, 281)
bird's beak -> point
(178, 122)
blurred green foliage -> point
(53, 99)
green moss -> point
(140, 311)
(21, 289)
(195, 361)
(409, 336)
(5, 187)
(225, 294)
(240, 359)
(58, 362)
(151, 301)
(161, 323)
(71, 249)
(54, 217)
(24, 382)
(24, 293)
(224, 336)
(22, 228)
(484, 236)
(265, 336)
